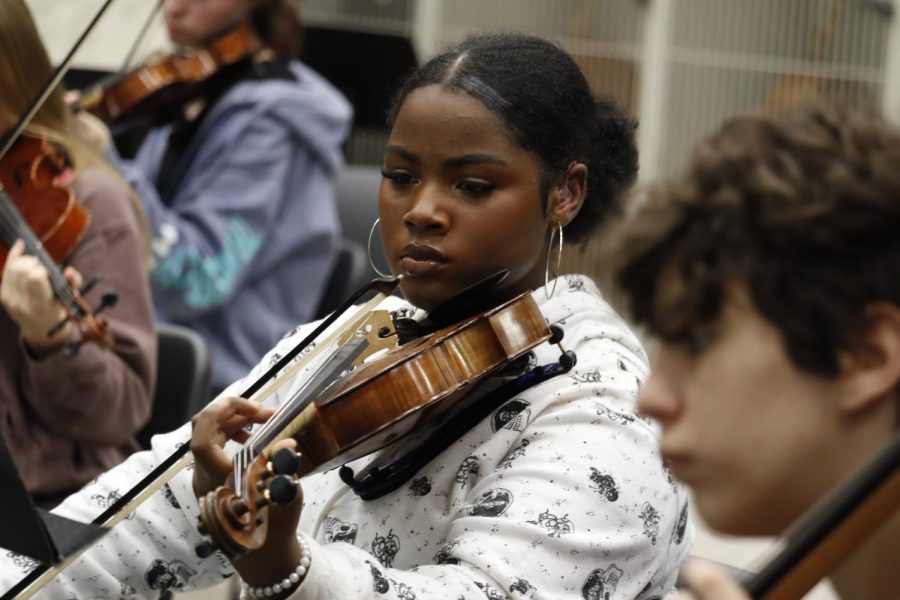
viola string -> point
(15, 227)
(325, 377)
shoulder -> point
(105, 198)
(306, 90)
(588, 320)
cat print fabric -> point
(560, 493)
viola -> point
(832, 530)
(366, 322)
(338, 419)
(34, 207)
(170, 81)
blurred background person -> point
(68, 418)
(238, 186)
(770, 273)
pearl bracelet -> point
(288, 582)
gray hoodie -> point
(244, 245)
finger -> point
(17, 249)
(220, 412)
(212, 426)
(680, 595)
(288, 443)
(709, 582)
(239, 423)
(73, 277)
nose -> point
(427, 211)
(661, 397)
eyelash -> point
(475, 188)
(471, 188)
(399, 178)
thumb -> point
(710, 582)
(17, 249)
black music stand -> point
(32, 531)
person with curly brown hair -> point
(770, 274)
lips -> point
(417, 260)
(680, 465)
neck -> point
(871, 572)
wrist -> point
(260, 583)
(39, 345)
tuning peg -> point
(283, 489)
(107, 300)
(556, 334)
(58, 327)
(204, 549)
(92, 282)
(284, 462)
(567, 360)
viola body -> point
(169, 81)
(403, 390)
(413, 385)
(28, 174)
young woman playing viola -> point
(239, 187)
(497, 148)
(770, 271)
(66, 419)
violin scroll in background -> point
(37, 209)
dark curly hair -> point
(541, 96)
(803, 209)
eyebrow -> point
(458, 161)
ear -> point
(871, 368)
(567, 198)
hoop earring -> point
(549, 294)
(369, 251)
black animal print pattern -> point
(108, 500)
(555, 526)
(385, 548)
(468, 469)
(379, 583)
(513, 455)
(681, 526)
(521, 586)
(443, 556)
(170, 496)
(340, 531)
(601, 584)
(605, 485)
(589, 377)
(490, 592)
(420, 486)
(650, 516)
(491, 503)
(163, 575)
(513, 415)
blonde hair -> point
(24, 68)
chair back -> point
(350, 272)
(182, 380)
(356, 192)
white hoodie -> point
(560, 493)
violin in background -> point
(166, 83)
(35, 208)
